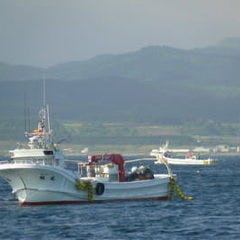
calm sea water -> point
(213, 214)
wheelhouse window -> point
(46, 152)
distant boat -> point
(164, 154)
(39, 174)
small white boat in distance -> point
(164, 155)
(39, 174)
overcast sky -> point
(47, 32)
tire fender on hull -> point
(99, 189)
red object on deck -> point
(114, 158)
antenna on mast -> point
(45, 106)
(44, 92)
(28, 116)
(25, 113)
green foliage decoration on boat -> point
(85, 186)
(176, 188)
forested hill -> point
(155, 84)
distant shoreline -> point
(72, 150)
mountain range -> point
(156, 84)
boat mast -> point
(42, 136)
(46, 117)
(46, 108)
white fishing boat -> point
(39, 174)
(190, 158)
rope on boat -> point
(175, 187)
(85, 186)
(140, 159)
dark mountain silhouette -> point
(155, 84)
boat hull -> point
(39, 184)
(188, 161)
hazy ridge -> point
(154, 85)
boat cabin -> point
(40, 156)
(110, 167)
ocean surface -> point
(213, 214)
